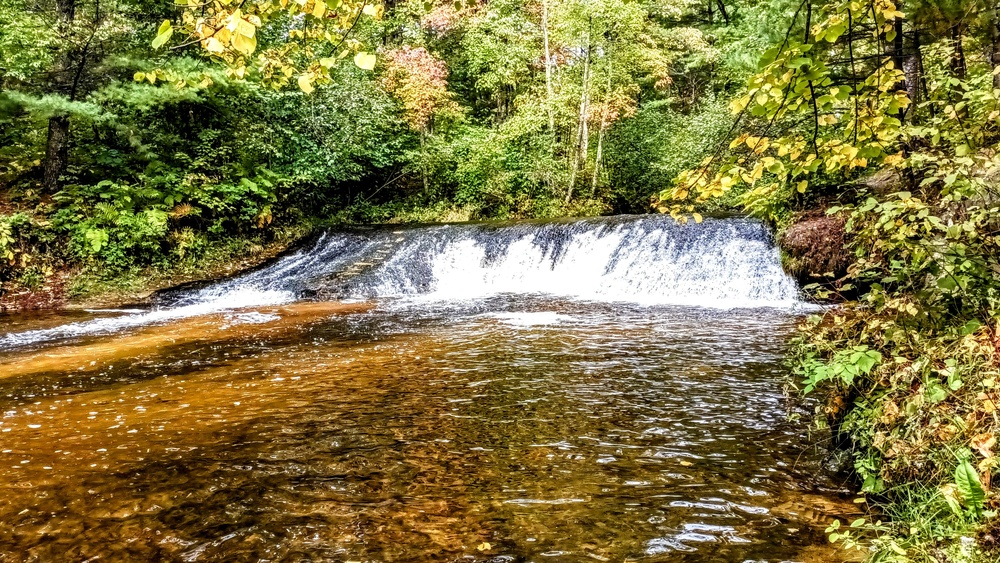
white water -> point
(647, 260)
(716, 269)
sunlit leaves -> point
(846, 126)
(305, 83)
(230, 33)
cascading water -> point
(649, 260)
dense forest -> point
(143, 136)
(120, 153)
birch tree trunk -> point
(583, 135)
(548, 65)
(600, 133)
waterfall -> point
(648, 260)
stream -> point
(593, 390)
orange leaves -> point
(419, 81)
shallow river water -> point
(510, 428)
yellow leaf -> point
(244, 44)
(801, 187)
(485, 546)
(305, 84)
(984, 444)
(365, 60)
(234, 19)
(139, 76)
(319, 9)
(697, 217)
(243, 27)
(213, 45)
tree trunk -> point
(958, 66)
(423, 164)
(583, 135)
(603, 128)
(911, 68)
(57, 144)
(995, 31)
(548, 66)
(723, 11)
(597, 159)
(56, 152)
(894, 51)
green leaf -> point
(947, 283)
(968, 484)
(872, 484)
(97, 238)
(970, 327)
(936, 392)
(163, 34)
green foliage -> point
(649, 150)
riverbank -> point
(83, 286)
(910, 380)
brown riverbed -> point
(508, 430)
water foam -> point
(646, 260)
(652, 261)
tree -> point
(420, 82)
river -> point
(606, 390)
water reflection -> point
(502, 430)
